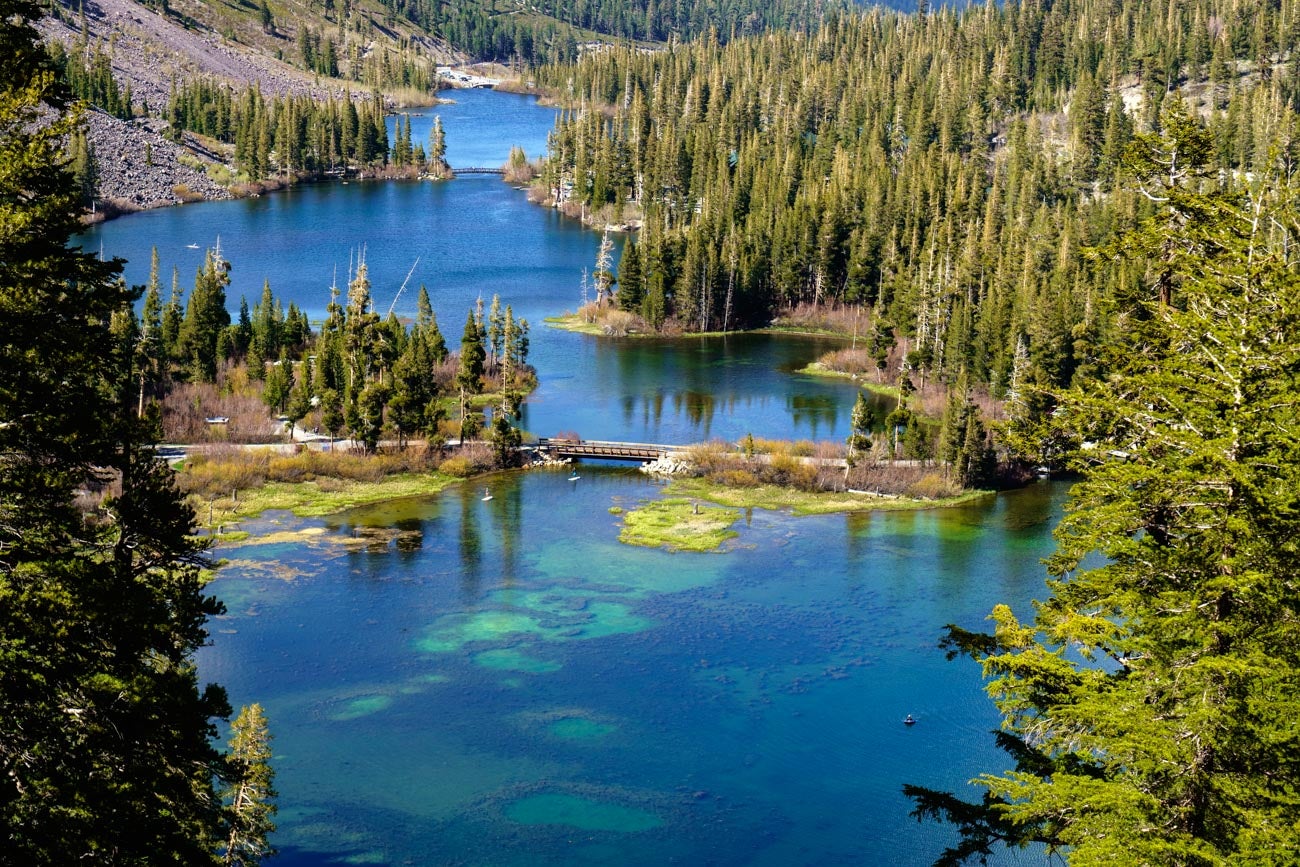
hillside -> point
(323, 50)
(149, 52)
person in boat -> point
(909, 720)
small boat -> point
(909, 720)
(487, 495)
(573, 476)
(191, 246)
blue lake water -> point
(457, 681)
(453, 681)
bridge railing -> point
(606, 448)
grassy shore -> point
(803, 502)
(579, 324)
(678, 524)
(574, 322)
(314, 498)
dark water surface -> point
(457, 681)
(454, 681)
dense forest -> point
(107, 738)
(361, 375)
(960, 174)
(555, 28)
(277, 136)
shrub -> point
(852, 361)
(737, 478)
(458, 466)
(933, 486)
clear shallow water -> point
(475, 237)
(503, 682)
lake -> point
(475, 237)
(457, 681)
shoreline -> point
(311, 499)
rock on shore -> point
(139, 168)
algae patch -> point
(799, 502)
(267, 569)
(583, 813)
(577, 728)
(360, 706)
(511, 659)
(678, 524)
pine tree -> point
(151, 333)
(298, 404)
(1150, 706)
(279, 383)
(630, 282)
(469, 376)
(861, 422)
(104, 731)
(250, 792)
(495, 332)
(205, 318)
(437, 147)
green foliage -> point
(505, 440)
(469, 375)
(1156, 687)
(88, 72)
(948, 171)
(206, 317)
(282, 136)
(104, 732)
(250, 793)
(862, 420)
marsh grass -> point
(227, 484)
(775, 498)
(678, 524)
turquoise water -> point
(511, 685)
(475, 237)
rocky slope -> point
(137, 166)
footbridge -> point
(609, 451)
(478, 170)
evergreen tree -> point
(298, 404)
(369, 423)
(151, 333)
(173, 316)
(495, 332)
(279, 383)
(250, 793)
(412, 387)
(1150, 707)
(469, 376)
(437, 145)
(205, 318)
(861, 422)
(360, 331)
(104, 732)
(630, 286)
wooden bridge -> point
(605, 450)
(478, 170)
